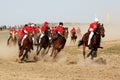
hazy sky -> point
(38, 11)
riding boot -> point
(20, 47)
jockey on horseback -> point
(24, 31)
(12, 32)
(59, 29)
(73, 31)
(43, 29)
(93, 26)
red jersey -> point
(93, 25)
(36, 30)
(73, 30)
(13, 31)
(59, 29)
(43, 28)
(27, 29)
(53, 30)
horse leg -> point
(90, 53)
(74, 41)
(42, 54)
(94, 53)
(39, 50)
(47, 51)
(21, 52)
(84, 51)
(53, 50)
(25, 55)
(55, 53)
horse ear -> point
(102, 24)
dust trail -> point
(8, 52)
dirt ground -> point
(69, 64)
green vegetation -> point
(111, 50)
(75, 50)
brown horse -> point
(59, 43)
(27, 46)
(95, 41)
(12, 40)
(73, 37)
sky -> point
(16, 12)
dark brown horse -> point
(59, 43)
(73, 37)
(95, 41)
(44, 43)
(27, 46)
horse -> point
(44, 43)
(27, 46)
(59, 43)
(73, 37)
(95, 41)
(12, 40)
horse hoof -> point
(35, 58)
(50, 55)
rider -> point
(59, 28)
(93, 26)
(13, 32)
(25, 30)
(43, 29)
(73, 31)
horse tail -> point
(80, 43)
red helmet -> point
(45, 22)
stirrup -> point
(100, 47)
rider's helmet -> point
(61, 23)
(96, 20)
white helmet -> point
(96, 20)
(32, 25)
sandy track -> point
(66, 66)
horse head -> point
(30, 36)
(101, 30)
(65, 33)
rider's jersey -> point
(59, 29)
(93, 26)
